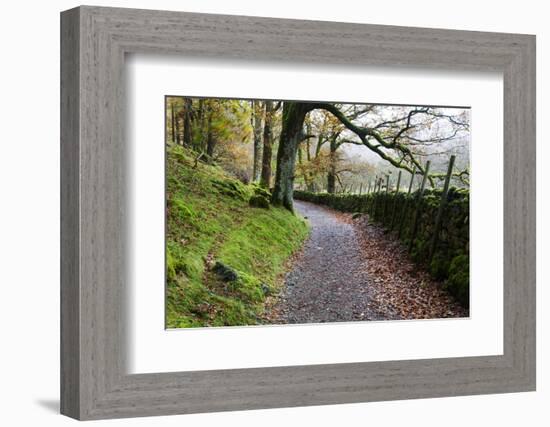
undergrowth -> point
(209, 222)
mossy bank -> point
(226, 246)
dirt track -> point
(328, 282)
(352, 270)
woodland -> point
(256, 187)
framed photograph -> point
(261, 213)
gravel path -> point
(328, 281)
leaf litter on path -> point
(350, 269)
(398, 283)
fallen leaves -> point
(397, 284)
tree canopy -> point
(320, 144)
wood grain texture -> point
(70, 292)
(94, 382)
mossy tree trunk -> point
(294, 114)
(187, 131)
(309, 176)
(331, 175)
(178, 133)
(267, 152)
(199, 139)
(257, 112)
(173, 117)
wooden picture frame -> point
(94, 382)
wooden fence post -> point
(375, 196)
(360, 188)
(373, 202)
(442, 205)
(384, 212)
(378, 193)
(418, 204)
(395, 200)
(406, 204)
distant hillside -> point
(224, 258)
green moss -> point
(233, 312)
(261, 191)
(208, 217)
(181, 210)
(263, 243)
(231, 187)
(419, 252)
(458, 283)
(259, 202)
(170, 267)
(439, 267)
(248, 287)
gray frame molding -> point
(94, 383)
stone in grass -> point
(226, 273)
(259, 202)
(266, 289)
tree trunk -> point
(200, 119)
(178, 129)
(294, 114)
(331, 183)
(210, 140)
(320, 142)
(173, 117)
(187, 134)
(331, 175)
(265, 179)
(257, 112)
(309, 177)
(309, 135)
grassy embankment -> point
(224, 258)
